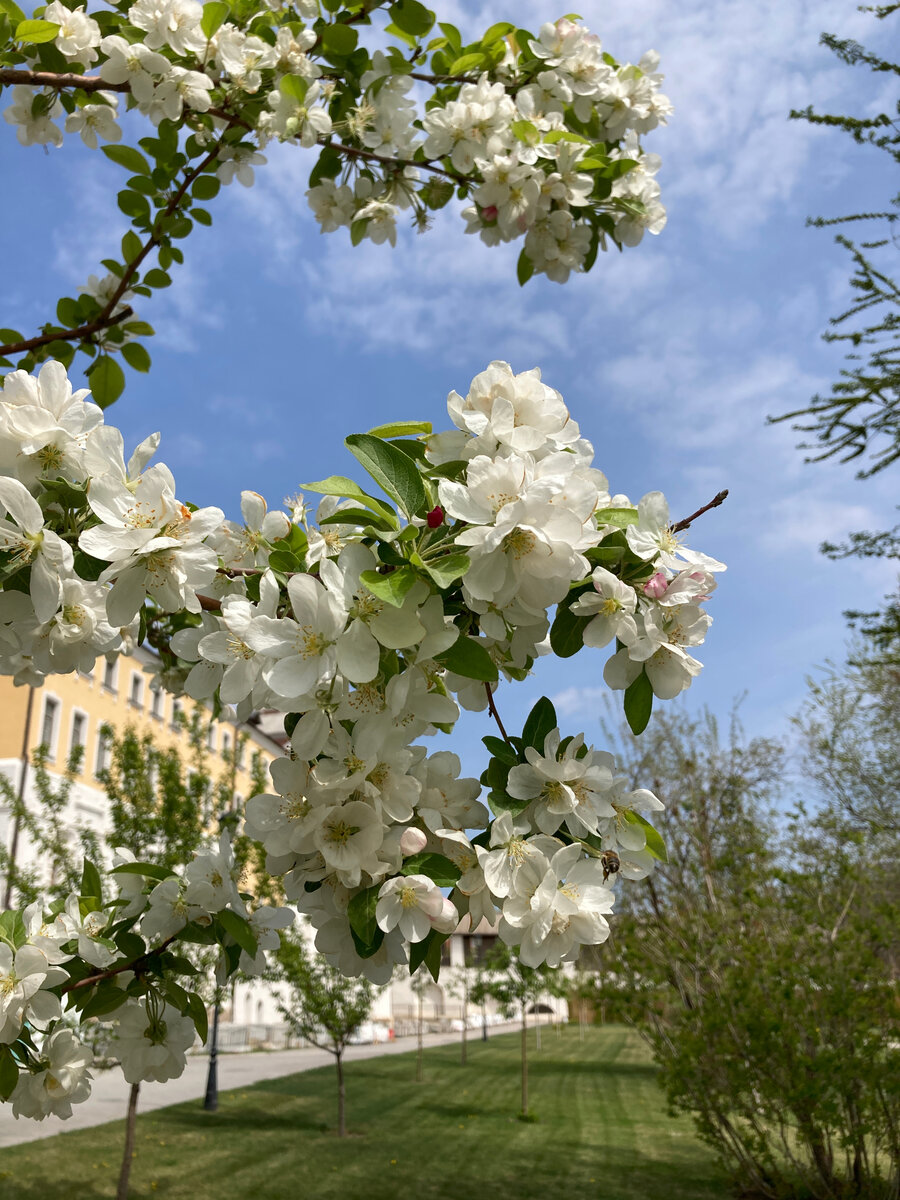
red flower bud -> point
(435, 518)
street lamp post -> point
(211, 1098)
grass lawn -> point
(601, 1130)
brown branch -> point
(66, 335)
(427, 165)
(53, 79)
(209, 604)
(133, 965)
(108, 317)
(492, 708)
(714, 503)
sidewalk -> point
(109, 1097)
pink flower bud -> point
(656, 585)
(435, 518)
(412, 841)
(448, 918)
(489, 213)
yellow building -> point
(70, 710)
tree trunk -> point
(465, 1020)
(420, 1044)
(128, 1152)
(537, 1030)
(524, 1062)
(339, 1063)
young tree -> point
(513, 986)
(324, 1007)
(765, 983)
(860, 419)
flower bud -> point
(412, 841)
(435, 518)
(656, 585)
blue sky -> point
(276, 341)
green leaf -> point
(467, 656)
(449, 568)
(339, 39)
(133, 204)
(196, 1009)
(567, 632)
(340, 485)
(36, 32)
(107, 380)
(655, 844)
(391, 469)
(12, 10)
(400, 429)
(541, 721)
(502, 750)
(359, 516)
(129, 158)
(620, 517)
(106, 998)
(467, 63)
(206, 187)
(294, 86)
(284, 561)
(496, 32)
(361, 914)
(428, 951)
(526, 132)
(156, 278)
(439, 869)
(392, 588)
(136, 356)
(9, 1072)
(90, 881)
(131, 246)
(239, 929)
(412, 17)
(638, 703)
(12, 929)
(524, 269)
(214, 15)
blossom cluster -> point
(369, 628)
(541, 135)
(76, 949)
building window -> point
(240, 749)
(79, 731)
(49, 725)
(102, 763)
(156, 704)
(136, 693)
(110, 674)
(86, 674)
(177, 707)
(226, 743)
(211, 737)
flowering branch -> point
(134, 965)
(714, 503)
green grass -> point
(601, 1130)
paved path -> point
(109, 1096)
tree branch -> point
(492, 708)
(66, 335)
(714, 503)
(52, 79)
(133, 965)
(108, 316)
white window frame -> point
(139, 702)
(157, 704)
(79, 712)
(111, 688)
(53, 744)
